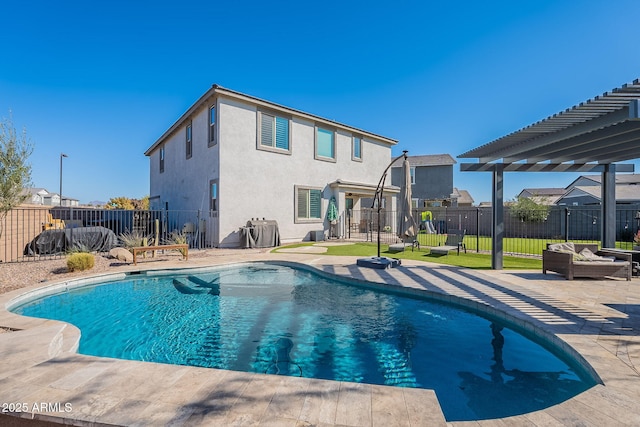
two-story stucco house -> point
(235, 157)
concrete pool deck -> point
(600, 319)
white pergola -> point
(590, 137)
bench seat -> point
(183, 248)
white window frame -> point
(214, 202)
(412, 171)
(333, 142)
(161, 156)
(306, 220)
(261, 115)
(355, 138)
(188, 136)
(212, 126)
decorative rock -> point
(121, 254)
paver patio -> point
(599, 319)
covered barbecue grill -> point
(260, 233)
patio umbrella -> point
(332, 217)
(407, 228)
(332, 211)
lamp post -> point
(61, 156)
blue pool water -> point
(280, 320)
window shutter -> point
(303, 196)
(315, 207)
(266, 130)
(282, 133)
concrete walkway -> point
(598, 319)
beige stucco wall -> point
(184, 184)
(261, 184)
(254, 183)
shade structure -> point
(406, 227)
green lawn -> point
(514, 245)
(517, 245)
(469, 260)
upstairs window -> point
(325, 144)
(357, 148)
(213, 195)
(162, 159)
(212, 125)
(412, 171)
(308, 204)
(188, 141)
(273, 132)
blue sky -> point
(101, 81)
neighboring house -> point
(586, 190)
(589, 180)
(52, 199)
(234, 157)
(40, 196)
(546, 196)
(591, 195)
(463, 197)
(69, 202)
(431, 179)
(35, 196)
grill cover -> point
(50, 242)
(254, 222)
(260, 234)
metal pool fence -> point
(22, 225)
(523, 236)
(526, 233)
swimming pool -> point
(281, 320)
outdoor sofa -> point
(585, 260)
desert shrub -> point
(176, 238)
(79, 248)
(528, 210)
(80, 261)
(130, 240)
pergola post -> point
(497, 223)
(608, 206)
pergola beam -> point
(543, 167)
(623, 133)
(514, 148)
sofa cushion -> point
(562, 247)
(590, 256)
(567, 248)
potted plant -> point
(636, 241)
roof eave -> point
(221, 91)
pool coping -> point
(43, 366)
